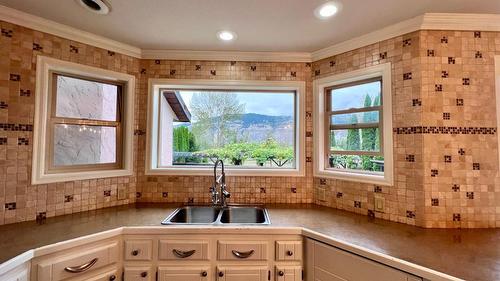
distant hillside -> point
(257, 127)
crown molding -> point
(470, 22)
(40, 24)
(385, 33)
(428, 21)
(227, 56)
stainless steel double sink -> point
(218, 215)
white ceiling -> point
(261, 25)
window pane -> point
(245, 129)
(355, 118)
(366, 139)
(357, 96)
(81, 145)
(83, 99)
(356, 162)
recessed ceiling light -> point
(95, 6)
(226, 35)
(327, 10)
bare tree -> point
(212, 113)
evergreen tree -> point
(353, 140)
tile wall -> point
(19, 200)
(446, 154)
(445, 137)
(195, 189)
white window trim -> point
(497, 97)
(45, 65)
(154, 86)
(319, 85)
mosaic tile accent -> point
(445, 130)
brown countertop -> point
(470, 254)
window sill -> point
(73, 176)
(229, 172)
(356, 177)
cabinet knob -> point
(112, 278)
(289, 253)
(144, 274)
(221, 274)
(281, 273)
(135, 252)
(204, 274)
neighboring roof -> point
(178, 106)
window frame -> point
(322, 121)
(158, 85)
(53, 119)
(43, 170)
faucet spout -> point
(219, 198)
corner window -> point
(81, 130)
(356, 126)
(84, 124)
(252, 126)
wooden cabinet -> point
(288, 250)
(242, 273)
(77, 262)
(139, 273)
(183, 250)
(111, 275)
(242, 250)
(327, 263)
(288, 273)
(138, 249)
(184, 273)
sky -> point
(354, 96)
(274, 104)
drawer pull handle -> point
(289, 253)
(112, 277)
(144, 274)
(204, 274)
(81, 268)
(243, 255)
(281, 273)
(221, 274)
(135, 252)
(183, 254)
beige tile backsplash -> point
(441, 81)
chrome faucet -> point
(219, 197)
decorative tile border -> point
(445, 130)
(16, 127)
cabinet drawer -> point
(138, 249)
(77, 263)
(288, 250)
(242, 250)
(110, 275)
(289, 273)
(185, 273)
(183, 250)
(243, 273)
(138, 273)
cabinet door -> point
(242, 273)
(332, 264)
(288, 273)
(138, 274)
(184, 273)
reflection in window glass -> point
(84, 99)
(84, 145)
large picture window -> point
(252, 128)
(353, 126)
